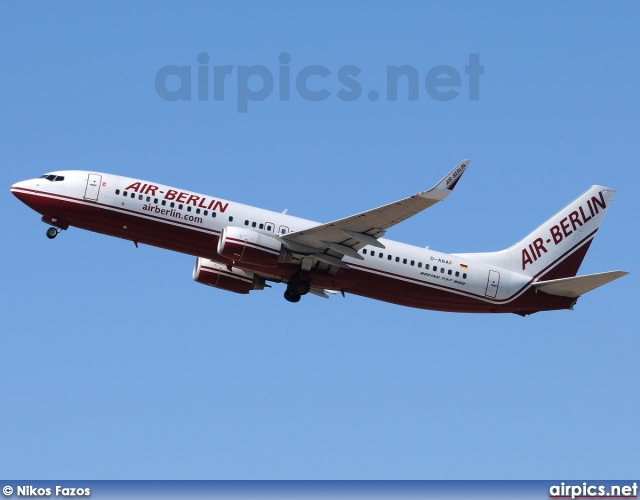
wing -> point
(332, 241)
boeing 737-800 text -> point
(239, 248)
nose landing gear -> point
(56, 224)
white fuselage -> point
(192, 223)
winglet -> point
(441, 190)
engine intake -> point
(251, 247)
(208, 272)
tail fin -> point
(555, 249)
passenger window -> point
(205, 213)
(117, 191)
(457, 274)
(197, 210)
(364, 251)
(133, 195)
(419, 264)
(373, 254)
(253, 224)
(426, 266)
(164, 203)
(449, 273)
(213, 214)
(125, 193)
(435, 269)
(148, 199)
(464, 276)
(246, 223)
(413, 262)
(380, 255)
(172, 205)
(188, 208)
(388, 257)
(269, 228)
(180, 206)
(404, 261)
(261, 226)
(155, 201)
(397, 259)
(140, 197)
(442, 270)
(231, 218)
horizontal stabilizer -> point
(578, 285)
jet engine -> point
(251, 247)
(217, 275)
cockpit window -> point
(52, 178)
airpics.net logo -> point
(207, 81)
(590, 490)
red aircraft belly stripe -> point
(421, 293)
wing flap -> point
(578, 285)
(319, 292)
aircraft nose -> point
(19, 185)
(19, 188)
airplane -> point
(239, 248)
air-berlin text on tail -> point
(178, 196)
(566, 226)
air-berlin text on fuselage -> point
(178, 196)
(563, 229)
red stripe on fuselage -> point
(179, 236)
(45, 208)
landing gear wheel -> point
(52, 232)
(291, 296)
(300, 287)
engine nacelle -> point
(251, 247)
(217, 275)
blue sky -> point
(116, 365)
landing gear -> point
(56, 224)
(300, 287)
(296, 288)
(291, 296)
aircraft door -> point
(93, 187)
(492, 284)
